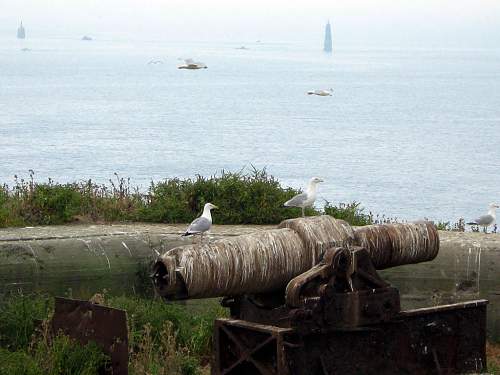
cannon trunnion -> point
(306, 299)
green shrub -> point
(254, 198)
(350, 212)
(442, 225)
(251, 198)
(18, 317)
(53, 204)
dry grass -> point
(493, 355)
(167, 358)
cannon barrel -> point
(266, 261)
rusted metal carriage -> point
(306, 298)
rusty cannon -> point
(306, 298)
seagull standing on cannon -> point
(201, 224)
(307, 198)
(486, 220)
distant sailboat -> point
(328, 38)
(21, 32)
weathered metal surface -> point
(319, 233)
(436, 341)
(343, 290)
(352, 294)
(466, 268)
(87, 258)
(266, 261)
(342, 318)
(392, 245)
(85, 321)
(257, 262)
(249, 348)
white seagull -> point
(190, 64)
(321, 92)
(201, 224)
(305, 199)
(486, 220)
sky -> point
(454, 23)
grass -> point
(58, 356)
(350, 212)
(18, 317)
(164, 339)
(254, 197)
(493, 355)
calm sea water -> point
(409, 133)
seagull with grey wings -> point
(190, 64)
(201, 224)
(486, 220)
(307, 198)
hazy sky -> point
(370, 22)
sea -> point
(410, 133)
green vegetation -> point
(26, 350)
(493, 358)
(441, 225)
(58, 356)
(350, 212)
(18, 318)
(164, 339)
(243, 198)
